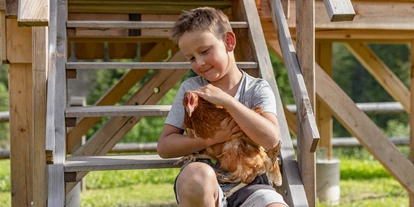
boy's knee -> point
(197, 178)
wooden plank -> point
(144, 65)
(292, 187)
(384, 15)
(39, 94)
(142, 7)
(296, 79)
(380, 71)
(11, 8)
(339, 10)
(3, 42)
(135, 24)
(118, 162)
(33, 13)
(56, 183)
(106, 138)
(122, 39)
(17, 40)
(286, 8)
(305, 47)
(20, 89)
(115, 94)
(361, 126)
(411, 146)
(291, 120)
(323, 116)
(104, 111)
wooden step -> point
(144, 65)
(118, 162)
(135, 24)
(109, 111)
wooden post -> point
(412, 115)
(324, 117)
(19, 42)
(305, 47)
(39, 91)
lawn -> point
(364, 182)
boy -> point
(205, 37)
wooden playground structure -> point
(38, 38)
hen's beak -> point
(189, 111)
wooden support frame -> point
(11, 8)
(339, 10)
(305, 47)
(33, 13)
(323, 115)
(380, 71)
(39, 91)
(104, 140)
(17, 40)
(3, 42)
(361, 126)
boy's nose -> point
(200, 62)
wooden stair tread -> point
(135, 24)
(125, 110)
(144, 65)
(118, 162)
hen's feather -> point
(241, 157)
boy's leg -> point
(197, 186)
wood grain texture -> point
(305, 47)
(3, 42)
(104, 111)
(144, 65)
(361, 126)
(380, 71)
(17, 40)
(412, 114)
(21, 162)
(295, 77)
(119, 162)
(12, 8)
(135, 25)
(339, 10)
(33, 13)
(39, 91)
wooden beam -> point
(361, 126)
(17, 40)
(33, 13)
(20, 89)
(115, 94)
(380, 71)
(118, 162)
(296, 79)
(305, 47)
(2, 5)
(3, 42)
(411, 156)
(106, 138)
(109, 111)
(339, 10)
(380, 15)
(39, 94)
(11, 8)
(323, 115)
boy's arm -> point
(262, 129)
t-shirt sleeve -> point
(264, 96)
(176, 115)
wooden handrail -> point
(297, 83)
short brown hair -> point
(204, 19)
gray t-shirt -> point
(252, 92)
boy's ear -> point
(230, 41)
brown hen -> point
(240, 156)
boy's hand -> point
(229, 130)
(213, 94)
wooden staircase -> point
(64, 172)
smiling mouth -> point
(208, 69)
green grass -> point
(364, 182)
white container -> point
(327, 181)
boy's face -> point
(208, 55)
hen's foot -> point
(185, 160)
